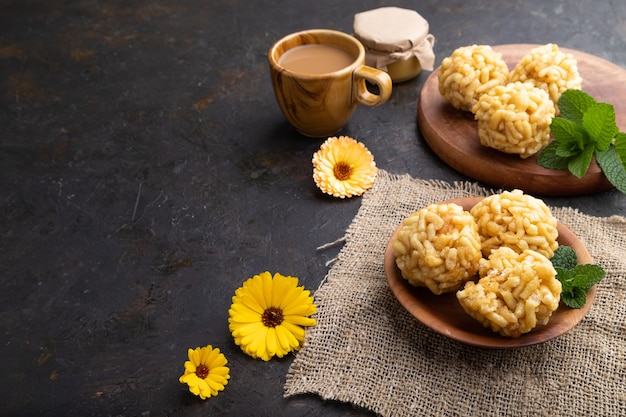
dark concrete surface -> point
(146, 172)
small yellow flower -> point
(343, 167)
(206, 372)
(267, 315)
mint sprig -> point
(575, 279)
(586, 129)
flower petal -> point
(245, 318)
(204, 389)
(296, 331)
(300, 305)
(190, 367)
(218, 361)
(246, 305)
(287, 340)
(242, 330)
(220, 371)
(300, 320)
(194, 356)
(188, 379)
(272, 342)
(206, 353)
(259, 333)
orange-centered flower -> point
(343, 167)
(267, 315)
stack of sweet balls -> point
(513, 109)
(496, 257)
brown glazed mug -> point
(319, 105)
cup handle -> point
(375, 76)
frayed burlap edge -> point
(368, 351)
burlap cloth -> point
(369, 351)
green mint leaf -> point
(568, 149)
(620, 147)
(575, 279)
(565, 277)
(573, 104)
(564, 257)
(579, 164)
(613, 168)
(574, 297)
(549, 159)
(569, 134)
(586, 276)
(599, 122)
(586, 128)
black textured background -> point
(146, 172)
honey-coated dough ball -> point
(514, 118)
(516, 220)
(550, 69)
(438, 247)
(515, 293)
(470, 72)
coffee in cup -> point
(319, 77)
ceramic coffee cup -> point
(318, 102)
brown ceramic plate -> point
(453, 134)
(444, 314)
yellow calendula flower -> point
(343, 167)
(206, 372)
(267, 315)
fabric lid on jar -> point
(392, 33)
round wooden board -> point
(452, 134)
(444, 314)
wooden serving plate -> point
(453, 134)
(444, 314)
